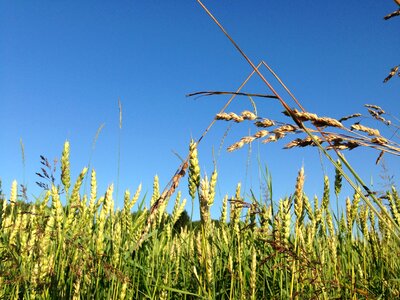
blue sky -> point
(65, 64)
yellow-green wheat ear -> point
(298, 196)
(194, 170)
(213, 183)
(325, 197)
(338, 179)
(65, 167)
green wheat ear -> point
(194, 170)
(65, 167)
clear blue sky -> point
(64, 64)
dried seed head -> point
(333, 138)
(292, 144)
(271, 138)
(285, 128)
(366, 129)
(393, 14)
(235, 146)
(305, 116)
(376, 107)
(325, 121)
(303, 142)
(261, 134)
(265, 123)
(236, 118)
(248, 115)
(379, 140)
(223, 116)
(350, 117)
(393, 72)
(247, 139)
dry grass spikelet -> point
(394, 70)
(285, 129)
(370, 131)
(236, 118)
(308, 141)
(272, 138)
(379, 140)
(377, 116)
(248, 115)
(345, 118)
(377, 108)
(305, 116)
(265, 123)
(247, 140)
(329, 122)
(223, 116)
(260, 134)
(235, 146)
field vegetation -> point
(72, 245)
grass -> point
(86, 249)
